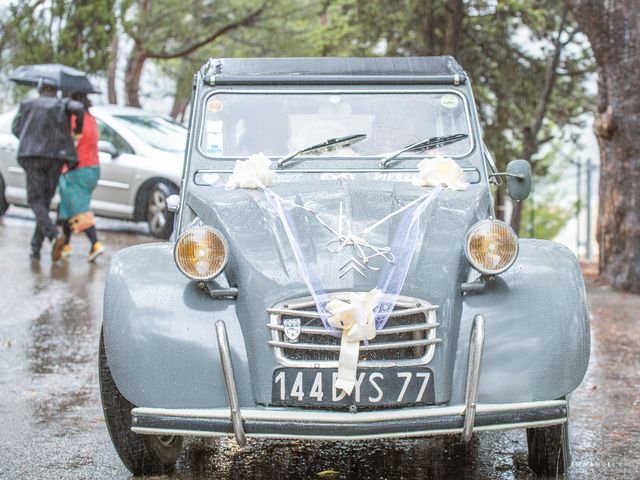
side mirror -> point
(108, 147)
(518, 179)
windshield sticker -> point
(215, 106)
(214, 137)
(449, 101)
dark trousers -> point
(91, 233)
(42, 179)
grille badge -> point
(292, 329)
(354, 265)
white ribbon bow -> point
(254, 172)
(357, 320)
(440, 171)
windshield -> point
(159, 132)
(241, 124)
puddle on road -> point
(490, 456)
(61, 333)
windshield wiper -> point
(421, 146)
(327, 146)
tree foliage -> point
(525, 58)
(507, 48)
(546, 218)
(169, 29)
(268, 36)
(71, 32)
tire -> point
(141, 454)
(4, 205)
(156, 214)
(549, 451)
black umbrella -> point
(65, 78)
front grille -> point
(408, 338)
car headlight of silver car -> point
(201, 253)
(491, 246)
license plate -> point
(374, 387)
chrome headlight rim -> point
(467, 253)
(222, 238)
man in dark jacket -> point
(43, 125)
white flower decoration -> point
(355, 318)
(440, 171)
(254, 172)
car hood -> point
(259, 245)
(265, 271)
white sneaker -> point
(96, 250)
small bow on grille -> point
(357, 320)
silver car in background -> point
(141, 158)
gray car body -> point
(122, 178)
(159, 326)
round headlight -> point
(201, 253)
(491, 247)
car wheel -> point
(4, 205)
(549, 452)
(158, 217)
(141, 454)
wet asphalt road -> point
(51, 424)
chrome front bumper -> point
(315, 425)
(298, 423)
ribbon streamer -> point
(357, 240)
(356, 319)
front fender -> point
(537, 328)
(159, 333)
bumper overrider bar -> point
(299, 423)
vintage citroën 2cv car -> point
(337, 273)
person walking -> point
(43, 126)
(77, 185)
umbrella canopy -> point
(60, 76)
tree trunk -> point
(111, 71)
(178, 108)
(428, 28)
(613, 28)
(139, 54)
(454, 26)
(135, 63)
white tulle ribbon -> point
(364, 250)
(368, 312)
(357, 321)
(254, 172)
(440, 171)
